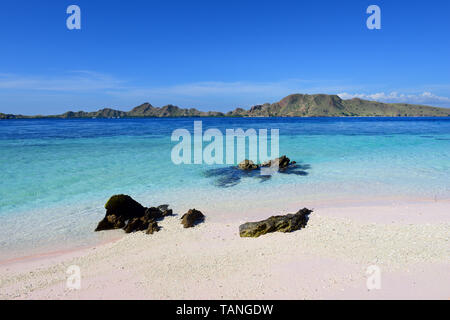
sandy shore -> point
(409, 242)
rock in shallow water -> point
(282, 162)
(191, 218)
(287, 223)
(247, 165)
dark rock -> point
(282, 163)
(119, 209)
(287, 223)
(247, 165)
(124, 206)
(191, 218)
(110, 222)
(158, 213)
(227, 177)
(153, 213)
(152, 227)
(165, 210)
(137, 224)
(122, 212)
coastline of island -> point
(295, 105)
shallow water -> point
(57, 174)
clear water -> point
(56, 175)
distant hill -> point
(147, 110)
(322, 105)
(296, 105)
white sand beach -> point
(328, 259)
(224, 150)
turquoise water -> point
(57, 174)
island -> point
(295, 105)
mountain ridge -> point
(294, 105)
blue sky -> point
(219, 55)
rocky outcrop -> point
(295, 105)
(191, 218)
(226, 177)
(247, 165)
(158, 213)
(282, 162)
(152, 227)
(119, 209)
(137, 224)
(287, 223)
(123, 212)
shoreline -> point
(222, 117)
(40, 256)
(327, 259)
(342, 207)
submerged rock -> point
(191, 218)
(123, 212)
(287, 223)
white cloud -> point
(81, 80)
(79, 87)
(426, 98)
(259, 92)
(217, 88)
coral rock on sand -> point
(137, 224)
(247, 165)
(111, 222)
(158, 213)
(287, 223)
(191, 218)
(122, 212)
(152, 227)
(119, 209)
(142, 224)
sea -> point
(57, 174)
